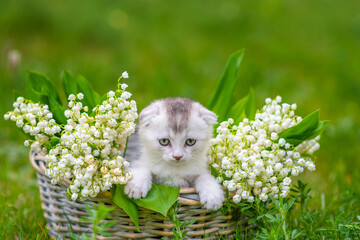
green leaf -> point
(213, 171)
(126, 204)
(91, 98)
(38, 81)
(159, 199)
(293, 234)
(40, 89)
(106, 234)
(113, 189)
(306, 126)
(250, 109)
(322, 229)
(349, 219)
(245, 208)
(307, 129)
(69, 84)
(321, 127)
(108, 225)
(290, 204)
(270, 217)
(57, 110)
(53, 141)
(222, 100)
(249, 213)
(35, 96)
(251, 221)
(237, 112)
(40, 84)
(103, 211)
(244, 108)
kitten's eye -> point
(164, 141)
(190, 142)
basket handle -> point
(37, 161)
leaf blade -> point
(126, 204)
(250, 109)
(222, 99)
(69, 84)
(237, 112)
(244, 108)
(307, 129)
(41, 84)
(57, 110)
(91, 97)
(159, 199)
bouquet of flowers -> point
(255, 152)
(254, 158)
(87, 149)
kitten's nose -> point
(177, 158)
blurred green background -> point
(307, 51)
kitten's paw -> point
(135, 190)
(212, 203)
(212, 199)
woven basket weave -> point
(64, 216)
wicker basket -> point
(63, 215)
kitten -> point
(175, 135)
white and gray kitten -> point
(175, 135)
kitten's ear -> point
(148, 113)
(208, 116)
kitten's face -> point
(176, 130)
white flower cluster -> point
(251, 158)
(35, 119)
(90, 146)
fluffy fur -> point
(178, 163)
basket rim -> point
(38, 162)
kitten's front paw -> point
(137, 190)
(212, 198)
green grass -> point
(306, 51)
